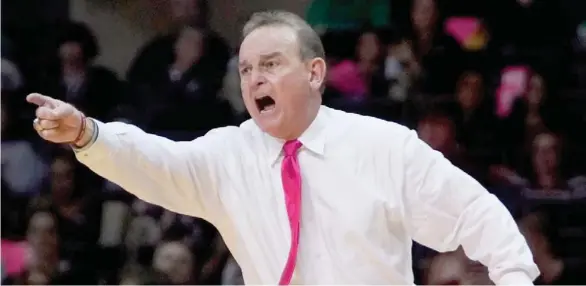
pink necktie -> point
(291, 177)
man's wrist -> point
(87, 137)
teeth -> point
(268, 109)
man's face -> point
(278, 87)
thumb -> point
(41, 100)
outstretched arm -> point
(179, 176)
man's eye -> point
(271, 64)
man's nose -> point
(257, 80)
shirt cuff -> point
(515, 278)
(96, 147)
(95, 133)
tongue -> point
(268, 108)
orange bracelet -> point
(81, 130)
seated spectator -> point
(45, 265)
(402, 69)
(362, 77)
(546, 178)
(554, 270)
(158, 55)
(454, 268)
(370, 55)
(476, 124)
(76, 208)
(93, 89)
(137, 275)
(185, 89)
(19, 155)
(232, 274)
(175, 260)
(438, 131)
(539, 110)
(437, 53)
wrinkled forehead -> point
(269, 40)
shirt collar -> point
(312, 139)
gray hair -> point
(310, 44)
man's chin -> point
(269, 125)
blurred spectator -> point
(187, 86)
(370, 57)
(537, 111)
(76, 208)
(232, 274)
(175, 260)
(93, 89)
(438, 131)
(554, 270)
(402, 69)
(437, 53)
(476, 125)
(454, 268)
(19, 155)
(137, 275)
(546, 178)
(157, 56)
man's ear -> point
(317, 73)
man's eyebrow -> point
(262, 57)
(270, 55)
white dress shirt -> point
(368, 188)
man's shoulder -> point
(364, 125)
(244, 132)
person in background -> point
(554, 270)
(476, 124)
(439, 131)
(75, 78)
(454, 268)
(174, 259)
(137, 275)
(159, 54)
(413, 192)
(438, 54)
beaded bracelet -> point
(81, 130)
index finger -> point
(41, 100)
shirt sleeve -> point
(179, 176)
(447, 208)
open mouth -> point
(265, 104)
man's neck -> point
(312, 115)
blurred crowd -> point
(497, 86)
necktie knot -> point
(291, 147)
